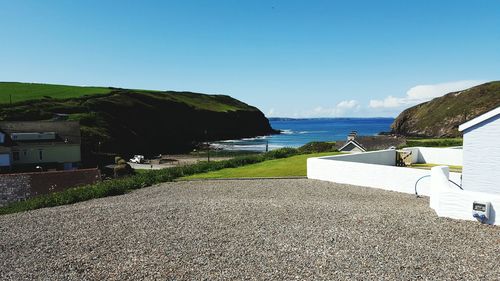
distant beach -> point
(297, 132)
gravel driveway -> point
(247, 229)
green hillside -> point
(30, 91)
(136, 121)
(26, 92)
(441, 116)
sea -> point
(297, 132)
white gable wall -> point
(351, 148)
(481, 169)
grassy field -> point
(218, 103)
(442, 142)
(31, 91)
(286, 167)
(19, 92)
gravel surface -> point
(262, 229)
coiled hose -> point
(416, 183)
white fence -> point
(432, 155)
(377, 169)
(371, 169)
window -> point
(15, 155)
(40, 153)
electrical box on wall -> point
(481, 211)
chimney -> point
(351, 135)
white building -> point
(480, 174)
(472, 195)
(481, 168)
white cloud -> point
(423, 93)
(341, 109)
(388, 102)
(347, 104)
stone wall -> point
(16, 187)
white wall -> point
(381, 157)
(481, 171)
(341, 169)
(433, 155)
(452, 202)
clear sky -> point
(288, 58)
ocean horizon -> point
(296, 132)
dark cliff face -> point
(128, 122)
(441, 116)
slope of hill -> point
(145, 122)
(18, 92)
(441, 116)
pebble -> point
(247, 229)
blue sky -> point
(288, 58)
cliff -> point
(441, 116)
(146, 122)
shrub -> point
(280, 153)
(317, 147)
(121, 169)
(125, 184)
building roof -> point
(355, 143)
(374, 142)
(479, 119)
(66, 131)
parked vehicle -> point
(138, 159)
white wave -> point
(248, 147)
(243, 139)
(256, 138)
(229, 141)
(312, 132)
(287, 132)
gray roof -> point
(66, 131)
(375, 142)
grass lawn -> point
(286, 167)
(435, 142)
(30, 91)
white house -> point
(480, 174)
(472, 195)
(481, 168)
(352, 146)
(356, 144)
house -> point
(355, 143)
(479, 196)
(481, 168)
(473, 194)
(4, 155)
(48, 144)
